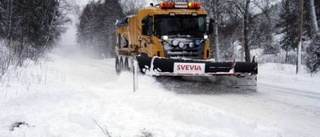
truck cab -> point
(169, 29)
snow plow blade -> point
(182, 67)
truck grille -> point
(184, 53)
(190, 48)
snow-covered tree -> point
(96, 27)
(215, 10)
(28, 28)
(130, 6)
(314, 23)
(263, 28)
(37, 23)
(313, 55)
(236, 21)
(288, 25)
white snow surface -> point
(67, 94)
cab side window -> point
(122, 42)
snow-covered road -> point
(287, 102)
(292, 112)
(68, 95)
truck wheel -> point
(118, 65)
(126, 65)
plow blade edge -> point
(185, 67)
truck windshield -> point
(180, 25)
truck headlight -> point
(205, 36)
(181, 45)
(191, 44)
(175, 43)
(165, 37)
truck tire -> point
(126, 65)
(118, 65)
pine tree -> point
(317, 8)
(313, 55)
(96, 27)
(31, 26)
(262, 36)
(3, 12)
(288, 26)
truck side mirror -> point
(254, 59)
(211, 26)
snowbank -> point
(284, 75)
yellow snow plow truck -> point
(172, 39)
